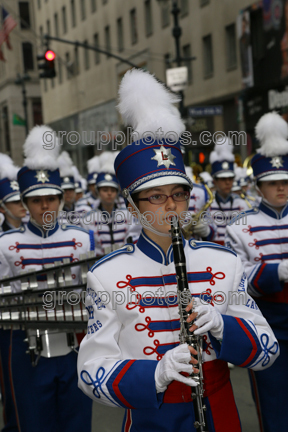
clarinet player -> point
(131, 356)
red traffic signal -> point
(50, 55)
(48, 66)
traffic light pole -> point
(90, 47)
(21, 81)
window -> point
(165, 14)
(166, 62)
(60, 77)
(204, 2)
(48, 27)
(96, 44)
(41, 34)
(37, 112)
(187, 54)
(83, 9)
(148, 18)
(6, 123)
(184, 7)
(24, 15)
(104, 1)
(107, 40)
(73, 13)
(86, 57)
(27, 50)
(39, 4)
(231, 58)
(64, 19)
(120, 34)
(68, 65)
(208, 56)
(133, 25)
(56, 25)
(93, 6)
(76, 68)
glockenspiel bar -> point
(32, 280)
(51, 283)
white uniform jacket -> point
(111, 230)
(198, 199)
(260, 238)
(133, 321)
(29, 247)
(223, 212)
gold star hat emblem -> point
(277, 162)
(14, 185)
(42, 176)
(163, 156)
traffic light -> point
(48, 65)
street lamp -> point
(176, 33)
(21, 81)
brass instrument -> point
(188, 230)
(185, 335)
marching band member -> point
(225, 204)
(111, 225)
(131, 356)
(198, 199)
(10, 203)
(91, 197)
(46, 397)
(262, 245)
(13, 213)
(72, 211)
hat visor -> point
(276, 176)
(236, 188)
(163, 181)
(224, 175)
(79, 190)
(43, 192)
(107, 184)
(12, 198)
(68, 186)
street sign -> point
(206, 111)
(177, 78)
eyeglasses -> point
(161, 198)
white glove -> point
(209, 319)
(174, 361)
(283, 270)
(201, 229)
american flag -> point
(8, 24)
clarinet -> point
(185, 335)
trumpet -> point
(185, 335)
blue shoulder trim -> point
(92, 241)
(198, 244)
(65, 227)
(244, 213)
(128, 248)
(21, 230)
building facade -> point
(83, 96)
(19, 61)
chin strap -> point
(261, 194)
(142, 218)
(9, 213)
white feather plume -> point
(146, 105)
(65, 165)
(38, 157)
(272, 132)
(76, 174)
(108, 167)
(206, 176)
(93, 165)
(189, 172)
(106, 157)
(223, 151)
(7, 167)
